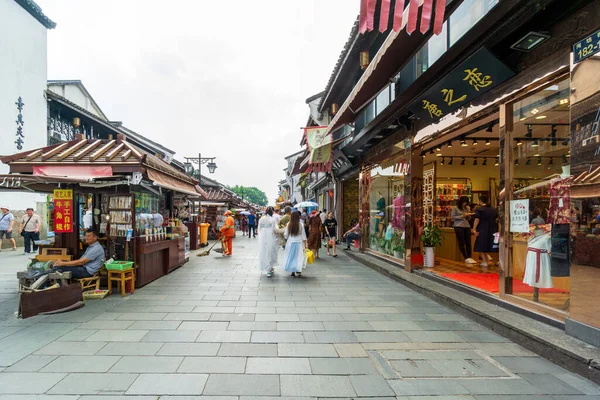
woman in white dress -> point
(268, 242)
(296, 245)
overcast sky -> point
(227, 78)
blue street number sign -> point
(586, 47)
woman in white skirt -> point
(295, 246)
(268, 242)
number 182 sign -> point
(586, 47)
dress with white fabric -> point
(294, 250)
(537, 264)
(267, 242)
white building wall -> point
(74, 94)
(23, 72)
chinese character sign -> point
(63, 210)
(586, 47)
(480, 73)
(320, 146)
(519, 216)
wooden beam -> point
(135, 152)
(54, 151)
(126, 155)
(71, 150)
(114, 152)
(34, 154)
(102, 150)
(86, 150)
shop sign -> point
(319, 144)
(586, 47)
(63, 210)
(10, 182)
(477, 75)
(519, 216)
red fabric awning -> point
(73, 171)
(168, 182)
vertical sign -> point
(63, 210)
(519, 215)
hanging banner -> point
(63, 210)
(519, 216)
(320, 147)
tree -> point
(251, 194)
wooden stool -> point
(121, 277)
(93, 282)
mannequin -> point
(560, 217)
(381, 203)
(399, 220)
(537, 263)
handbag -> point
(23, 230)
(310, 256)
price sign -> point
(586, 47)
(63, 211)
(519, 215)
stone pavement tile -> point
(428, 387)
(168, 384)
(300, 326)
(77, 335)
(247, 350)
(100, 324)
(224, 336)
(198, 303)
(109, 397)
(415, 369)
(189, 349)
(435, 336)
(203, 326)
(213, 365)
(431, 355)
(252, 326)
(330, 337)
(376, 310)
(394, 326)
(107, 316)
(264, 303)
(517, 397)
(240, 303)
(278, 317)
(297, 310)
(147, 364)
(417, 346)
(481, 337)
(467, 368)
(277, 337)
(336, 310)
(458, 397)
(93, 383)
(129, 349)
(580, 383)
(525, 365)
(81, 364)
(177, 316)
(111, 335)
(28, 382)
(365, 317)
(306, 350)
(232, 317)
(450, 326)
(189, 398)
(500, 386)
(142, 316)
(342, 366)
(371, 386)
(171, 336)
(214, 309)
(373, 337)
(255, 310)
(407, 317)
(170, 309)
(70, 348)
(350, 350)
(31, 364)
(548, 384)
(278, 366)
(575, 397)
(321, 317)
(272, 398)
(447, 317)
(348, 326)
(156, 325)
(316, 386)
(242, 385)
(503, 349)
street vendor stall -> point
(117, 190)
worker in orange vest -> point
(228, 231)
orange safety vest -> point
(229, 228)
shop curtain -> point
(368, 7)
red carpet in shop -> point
(491, 283)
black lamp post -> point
(189, 169)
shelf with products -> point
(447, 192)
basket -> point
(119, 265)
(95, 294)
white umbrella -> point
(307, 204)
(245, 213)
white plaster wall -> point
(73, 93)
(23, 72)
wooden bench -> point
(91, 283)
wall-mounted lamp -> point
(530, 41)
(364, 59)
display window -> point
(541, 208)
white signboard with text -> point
(519, 215)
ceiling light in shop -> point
(490, 127)
(438, 155)
(540, 117)
(423, 154)
(451, 161)
(528, 161)
(519, 142)
(431, 151)
(443, 161)
(523, 118)
(563, 102)
(535, 111)
(517, 161)
(566, 141)
(475, 161)
(484, 161)
(378, 136)
(463, 142)
(449, 143)
(463, 161)
(564, 159)
(551, 161)
(535, 143)
(487, 142)
(497, 162)
(438, 148)
(360, 151)
(475, 142)
(530, 41)
(539, 161)
(529, 131)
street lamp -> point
(189, 170)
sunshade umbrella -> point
(307, 204)
(245, 213)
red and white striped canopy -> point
(367, 15)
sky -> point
(228, 79)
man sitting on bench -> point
(89, 264)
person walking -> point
(7, 222)
(330, 229)
(323, 216)
(460, 215)
(244, 225)
(252, 225)
(314, 232)
(284, 221)
(228, 231)
(267, 242)
(352, 235)
(295, 245)
(30, 230)
(484, 228)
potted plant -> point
(381, 244)
(373, 241)
(432, 236)
(398, 246)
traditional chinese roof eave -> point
(36, 12)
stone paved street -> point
(216, 327)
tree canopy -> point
(251, 194)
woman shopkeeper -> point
(461, 213)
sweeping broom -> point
(207, 252)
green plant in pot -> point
(432, 237)
(381, 244)
(373, 240)
(398, 246)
